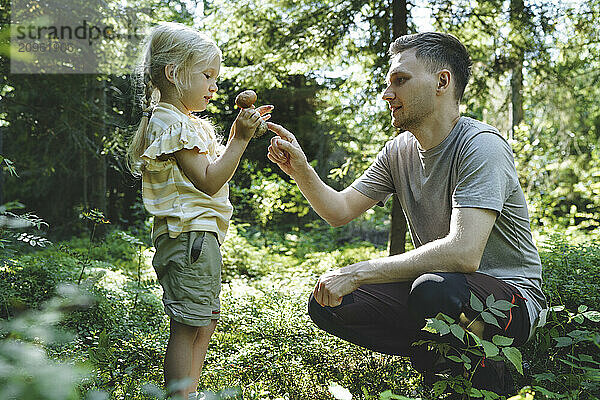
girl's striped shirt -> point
(176, 204)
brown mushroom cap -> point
(246, 99)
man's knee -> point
(318, 313)
(433, 293)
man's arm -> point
(460, 251)
(337, 208)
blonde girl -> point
(184, 175)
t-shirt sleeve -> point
(377, 182)
(175, 137)
(486, 173)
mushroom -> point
(245, 100)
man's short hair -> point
(438, 51)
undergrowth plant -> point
(470, 350)
(97, 218)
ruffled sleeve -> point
(177, 136)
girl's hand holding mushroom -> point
(251, 122)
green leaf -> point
(475, 392)
(458, 331)
(439, 387)
(547, 393)
(489, 302)
(503, 305)
(546, 376)
(454, 358)
(489, 348)
(488, 395)
(587, 358)
(388, 395)
(465, 359)
(563, 341)
(474, 351)
(476, 338)
(593, 316)
(515, 357)
(422, 342)
(498, 313)
(489, 318)
(582, 308)
(502, 340)
(475, 303)
(445, 318)
(437, 326)
(569, 363)
(579, 335)
(578, 319)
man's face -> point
(410, 92)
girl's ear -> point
(170, 73)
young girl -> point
(184, 174)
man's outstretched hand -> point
(285, 151)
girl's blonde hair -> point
(167, 43)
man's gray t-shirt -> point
(472, 167)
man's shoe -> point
(494, 376)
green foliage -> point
(26, 370)
(320, 262)
(563, 356)
(31, 281)
(472, 350)
(240, 256)
(265, 344)
(571, 272)
(268, 200)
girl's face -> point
(203, 84)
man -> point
(456, 180)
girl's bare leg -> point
(199, 352)
(179, 356)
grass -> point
(265, 344)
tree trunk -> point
(397, 234)
(399, 18)
(516, 83)
(84, 172)
(516, 15)
(1, 167)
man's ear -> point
(444, 77)
(170, 73)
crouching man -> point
(456, 181)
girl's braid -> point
(149, 89)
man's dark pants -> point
(388, 318)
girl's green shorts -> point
(189, 270)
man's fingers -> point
(270, 157)
(318, 293)
(283, 145)
(281, 131)
(337, 302)
(276, 150)
(276, 159)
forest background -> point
(322, 64)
